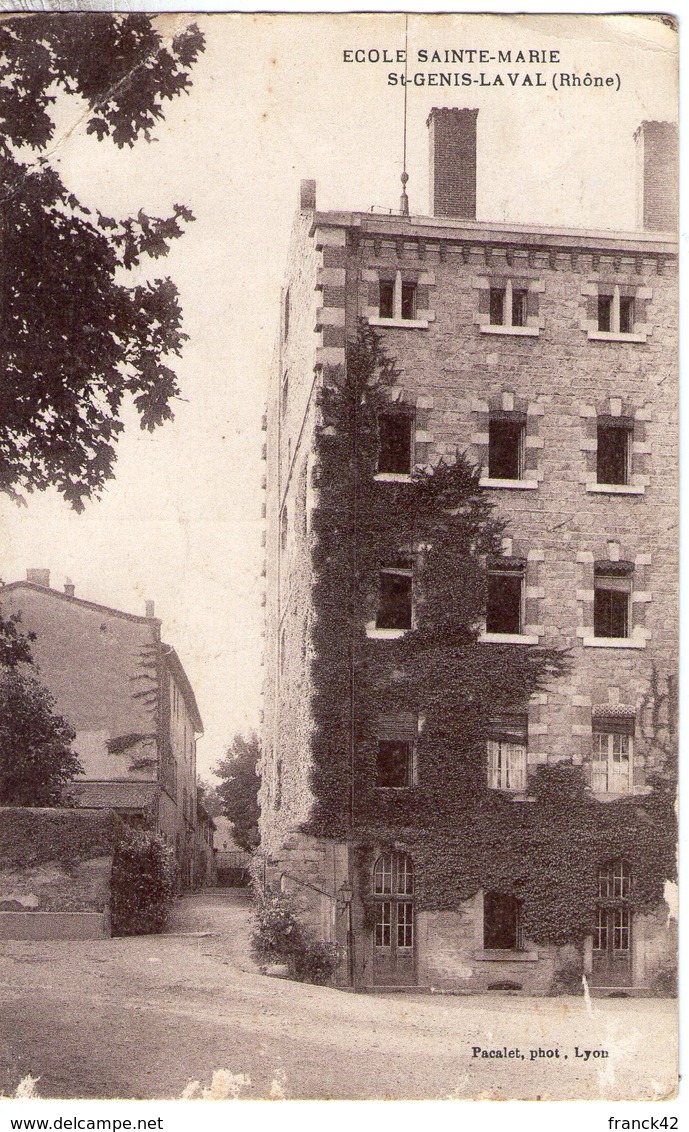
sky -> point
(273, 102)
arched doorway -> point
(394, 925)
(612, 935)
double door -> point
(612, 937)
(394, 921)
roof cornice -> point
(483, 232)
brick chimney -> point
(150, 609)
(69, 587)
(452, 137)
(39, 577)
(307, 196)
(657, 176)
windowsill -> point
(497, 955)
(513, 795)
(611, 336)
(616, 488)
(508, 638)
(393, 477)
(608, 796)
(514, 485)
(613, 643)
(409, 787)
(375, 634)
(514, 331)
(399, 323)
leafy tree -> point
(76, 338)
(209, 798)
(36, 758)
(15, 646)
(239, 788)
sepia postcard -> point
(339, 556)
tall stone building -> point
(540, 845)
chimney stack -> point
(657, 176)
(452, 137)
(69, 587)
(150, 609)
(307, 196)
(39, 577)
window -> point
(408, 300)
(395, 763)
(285, 394)
(613, 458)
(507, 745)
(502, 922)
(614, 881)
(612, 755)
(505, 596)
(508, 305)
(605, 312)
(398, 298)
(519, 307)
(395, 606)
(612, 929)
(616, 312)
(395, 443)
(387, 298)
(626, 314)
(285, 323)
(497, 306)
(506, 446)
(393, 877)
(283, 528)
(612, 585)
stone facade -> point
(590, 347)
(129, 700)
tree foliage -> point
(239, 787)
(209, 798)
(76, 338)
(36, 757)
(15, 646)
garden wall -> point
(55, 873)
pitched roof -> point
(78, 601)
(114, 795)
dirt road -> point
(149, 1016)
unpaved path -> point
(144, 1017)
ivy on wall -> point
(461, 835)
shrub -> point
(664, 982)
(142, 884)
(279, 937)
(567, 980)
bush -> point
(567, 980)
(664, 982)
(142, 884)
(279, 937)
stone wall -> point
(290, 420)
(55, 872)
(454, 374)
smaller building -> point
(129, 700)
(205, 872)
(232, 862)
